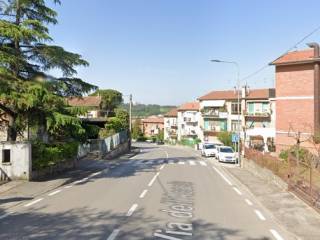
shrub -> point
(225, 138)
(45, 155)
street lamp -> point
(239, 92)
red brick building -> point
(297, 97)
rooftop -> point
(190, 106)
(153, 119)
(295, 57)
(172, 113)
(231, 95)
(90, 101)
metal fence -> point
(103, 146)
(302, 177)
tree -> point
(25, 59)
(111, 99)
(225, 138)
(118, 123)
(136, 129)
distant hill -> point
(143, 110)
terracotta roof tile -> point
(153, 120)
(297, 56)
(90, 101)
(231, 95)
(190, 106)
(172, 113)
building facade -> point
(188, 119)
(171, 126)
(254, 117)
(297, 97)
(152, 126)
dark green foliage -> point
(116, 124)
(46, 155)
(143, 110)
(111, 99)
(225, 138)
(27, 91)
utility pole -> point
(130, 113)
(239, 103)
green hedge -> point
(46, 155)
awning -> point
(213, 103)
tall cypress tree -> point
(27, 91)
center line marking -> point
(249, 202)
(161, 167)
(54, 193)
(114, 234)
(132, 209)
(181, 163)
(224, 178)
(153, 179)
(143, 193)
(259, 214)
(34, 202)
(237, 191)
(69, 186)
(276, 234)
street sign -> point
(235, 138)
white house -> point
(188, 121)
(220, 112)
(171, 126)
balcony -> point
(214, 113)
(265, 114)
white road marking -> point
(131, 210)
(181, 163)
(167, 155)
(5, 215)
(69, 186)
(143, 194)
(153, 179)
(203, 163)
(95, 174)
(54, 193)
(224, 178)
(162, 167)
(192, 163)
(249, 202)
(34, 202)
(82, 180)
(259, 214)
(237, 191)
(276, 235)
(114, 234)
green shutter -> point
(251, 107)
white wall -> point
(193, 126)
(19, 166)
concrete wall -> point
(19, 166)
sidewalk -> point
(287, 209)
(15, 192)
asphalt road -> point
(162, 193)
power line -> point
(294, 46)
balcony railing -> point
(215, 113)
(257, 114)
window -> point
(6, 156)
(234, 126)
(235, 108)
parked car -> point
(226, 154)
(215, 150)
(208, 150)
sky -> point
(159, 50)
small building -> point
(188, 119)
(94, 113)
(297, 97)
(152, 126)
(171, 126)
